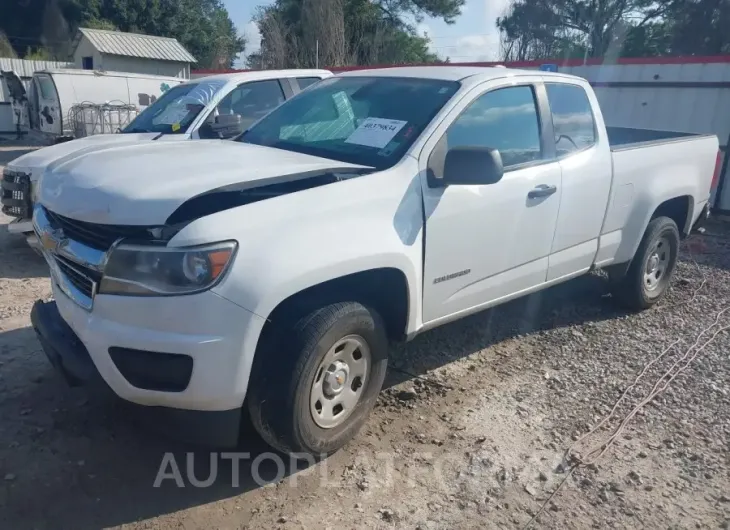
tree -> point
(562, 28)
(534, 29)
(304, 33)
(202, 26)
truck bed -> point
(620, 138)
(651, 167)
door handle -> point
(543, 190)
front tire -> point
(314, 384)
(651, 269)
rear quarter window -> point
(573, 121)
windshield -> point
(370, 121)
(176, 109)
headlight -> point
(159, 271)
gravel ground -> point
(470, 433)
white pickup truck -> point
(219, 106)
(268, 274)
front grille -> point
(15, 196)
(95, 235)
(83, 278)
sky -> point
(473, 37)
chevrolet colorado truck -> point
(266, 275)
(219, 106)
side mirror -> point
(472, 165)
(228, 125)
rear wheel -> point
(648, 277)
(314, 386)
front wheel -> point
(315, 384)
(648, 277)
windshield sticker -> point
(375, 132)
(171, 115)
(175, 127)
(388, 149)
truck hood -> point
(144, 183)
(41, 158)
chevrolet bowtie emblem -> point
(53, 239)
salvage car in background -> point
(219, 106)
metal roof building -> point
(114, 51)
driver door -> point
(487, 243)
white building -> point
(114, 51)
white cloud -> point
(483, 46)
(475, 48)
(423, 29)
(253, 37)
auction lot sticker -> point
(375, 132)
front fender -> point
(293, 242)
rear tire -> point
(314, 384)
(651, 269)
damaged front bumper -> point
(70, 357)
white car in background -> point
(218, 106)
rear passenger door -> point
(585, 160)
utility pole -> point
(316, 54)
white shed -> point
(114, 51)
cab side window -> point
(505, 119)
(252, 100)
(304, 82)
(573, 122)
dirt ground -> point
(470, 433)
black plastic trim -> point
(61, 345)
(161, 371)
(240, 194)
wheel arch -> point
(385, 289)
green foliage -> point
(202, 26)
(37, 54)
(535, 29)
(349, 32)
(6, 49)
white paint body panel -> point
(36, 162)
(299, 240)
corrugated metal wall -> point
(690, 97)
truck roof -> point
(255, 75)
(453, 73)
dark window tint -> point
(252, 100)
(48, 89)
(572, 118)
(504, 119)
(370, 121)
(304, 82)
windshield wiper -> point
(136, 130)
